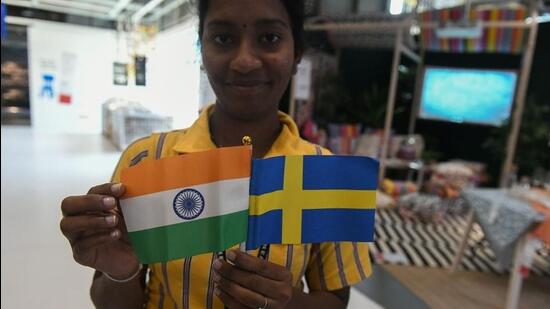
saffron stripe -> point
(186, 277)
(358, 261)
(198, 168)
(341, 272)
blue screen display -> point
(465, 95)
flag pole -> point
(247, 141)
(263, 252)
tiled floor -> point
(38, 170)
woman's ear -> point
(297, 59)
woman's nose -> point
(246, 60)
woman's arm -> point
(106, 293)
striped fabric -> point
(434, 244)
(493, 40)
(187, 283)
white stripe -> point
(156, 209)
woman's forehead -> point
(247, 12)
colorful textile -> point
(493, 40)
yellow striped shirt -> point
(187, 283)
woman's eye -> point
(223, 39)
(270, 38)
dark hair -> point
(295, 9)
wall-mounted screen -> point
(467, 95)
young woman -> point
(250, 50)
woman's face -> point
(248, 54)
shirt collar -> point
(197, 137)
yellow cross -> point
(293, 199)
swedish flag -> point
(310, 199)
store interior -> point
(451, 96)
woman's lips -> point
(247, 88)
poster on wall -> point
(120, 74)
(47, 88)
(68, 74)
(140, 70)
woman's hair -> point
(295, 9)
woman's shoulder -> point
(153, 142)
(147, 148)
(297, 145)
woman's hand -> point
(94, 227)
(251, 282)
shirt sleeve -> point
(134, 153)
(335, 265)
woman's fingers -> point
(113, 189)
(244, 295)
(75, 225)
(78, 205)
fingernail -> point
(110, 220)
(116, 188)
(109, 202)
(231, 256)
(217, 264)
(217, 291)
(115, 233)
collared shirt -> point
(187, 283)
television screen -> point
(467, 95)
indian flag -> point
(187, 205)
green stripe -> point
(186, 239)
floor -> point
(38, 170)
(468, 289)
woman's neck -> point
(227, 131)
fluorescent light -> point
(396, 7)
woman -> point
(250, 50)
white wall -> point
(91, 81)
(172, 76)
(173, 73)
